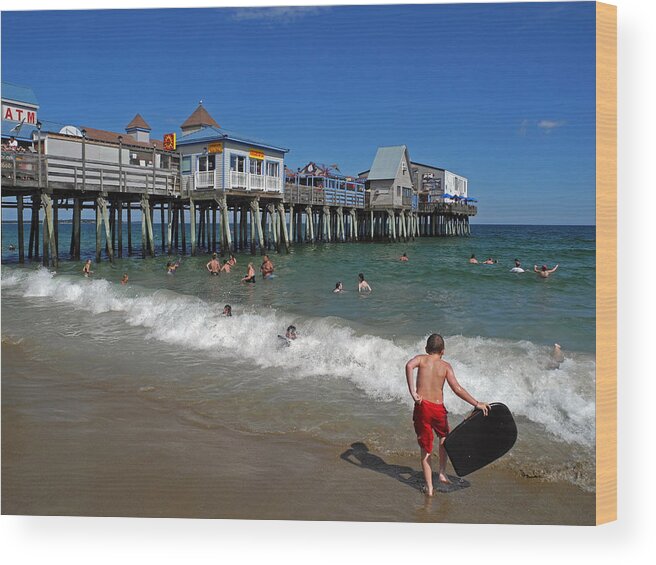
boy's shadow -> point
(360, 456)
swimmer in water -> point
(172, 267)
(489, 261)
(291, 333)
(227, 310)
(544, 272)
(267, 267)
(473, 260)
(363, 286)
(250, 274)
(213, 266)
(86, 270)
(557, 357)
(12, 247)
(226, 266)
(232, 261)
(124, 279)
(339, 287)
(404, 257)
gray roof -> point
(387, 161)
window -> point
(164, 161)
(273, 169)
(186, 164)
(207, 163)
(256, 167)
(398, 191)
(238, 163)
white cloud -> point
(549, 125)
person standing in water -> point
(214, 266)
(250, 274)
(226, 266)
(363, 286)
(124, 279)
(267, 267)
(339, 287)
(544, 272)
(86, 270)
(172, 267)
(227, 311)
(232, 261)
(473, 260)
(404, 257)
(429, 413)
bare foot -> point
(444, 479)
(427, 491)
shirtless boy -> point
(214, 266)
(429, 414)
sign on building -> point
(17, 114)
(170, 142)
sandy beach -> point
(121, 455)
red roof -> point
(138, 122)
(199, 117)
(112, 137)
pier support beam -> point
(147, 227)
(21, 233)
(255, 208)
(225, 221)
(283, 224)
(309, 224)
(101, 204)
(192, 225)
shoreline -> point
(126, 457)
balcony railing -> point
(300, 194)
(211, 180)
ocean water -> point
(163, 336)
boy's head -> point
(213, 255)
(544, 267)
(434, 344)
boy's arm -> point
(462, 393)
(552, 270)
(410, 367)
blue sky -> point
(501, 93)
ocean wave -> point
(562, 401)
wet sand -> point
(121, 455)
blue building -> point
(214, 159)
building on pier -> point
(389, 181)
(214, 159)
(335, 188)
(433, 183)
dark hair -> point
(361, 276)
(544, 267)
(435, 344)
(473, 256)
(291, 329)
(213, 255)
(337, 284)
(228, 307)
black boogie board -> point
(479, 440)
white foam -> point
(492, 370)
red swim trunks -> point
(429, 416)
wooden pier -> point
(220, 221)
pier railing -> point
(448, 208)
(31, 170)
(314, 196)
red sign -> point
(169, 142)
(15, 114)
